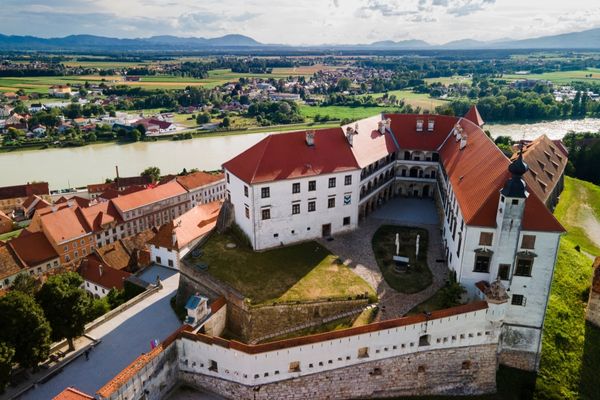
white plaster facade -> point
(290, 219)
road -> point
(124, 338)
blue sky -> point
(301, 21)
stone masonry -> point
(593, 308)
(458, 371)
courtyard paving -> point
(355, 248)
(123, 338)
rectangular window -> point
(296, 187)
(482, 263)
(348, 180)
(346, 221)
(296, 208)
(331, 182)
(524, 267)
(158, 260)
(331, 202)
(266, 213)
(170, 262)
(518, 300)
(294, 366)
(486, 238)
(312, 186)
(363, 352)
(503, 271)
(312, 206)
(247, 212)
(528, 242)
(265, 192)
(245, 190)
(228, 177)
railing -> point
(376, 186)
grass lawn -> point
(448, 80)
(302, 272)
(570, 364)
(10, 235)
(341, 112)
(422, 100)
(418, 276)
(560, 77)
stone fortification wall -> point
(460, 371)
(254, 322)
(593, 308)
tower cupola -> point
(515, 185)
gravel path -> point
(356, 251)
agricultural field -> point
(422, 100)
(448, 80)
(560, 77)
(342, 112)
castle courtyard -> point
(356, 250)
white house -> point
(203, 187)
(99, 278)
(303, 185)
(294, 187)
(177, 238)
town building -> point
(203, 187)
(307, 185)
(6, 223)
(30, 253)
(177, 238)
(59, 91)
(99, 278)
(71, 393)
(13, 197)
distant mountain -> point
(589, 39)
(403, 44)
(91, 42)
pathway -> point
(355, 248)
(123, 338)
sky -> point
(302, 22)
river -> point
(72, 167)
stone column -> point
(593, 308)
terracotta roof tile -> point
(198, 179)
(9, 262)
(65, 224)
(94, 270)
(404, 127)
(270, 160)
(370, 145)
(474, 116)
(71, 393)
(190, 226)
(148, 196)
(33, 249)
(11, 192)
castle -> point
(499, 238)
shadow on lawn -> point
(590, 364)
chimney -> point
(310, 138)
(70, 203)
(388, 123)
(54, 208)
(117, 178)
(350, 132)
(100, 269)
(381, 127)
(463, 142)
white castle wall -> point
(468, 329)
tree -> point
(24, 328)
(66, 306)
(203, 118)
(343, 84)
(152, 172)
(226, 122)
(26, 283)
(6, 357)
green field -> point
(422, 100)
(341, 112)
(570, 363)
(561, 77)
(448, 80)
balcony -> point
(374, 188)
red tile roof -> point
(33, 249)
(404, 127)
(190, 226)
(94, 270)
(148, 196)
(198, 179)
(11, 192)
(270, 159)
(370, 145)
(71, 393)
(100, 215)
(65, 224)
(474, 116)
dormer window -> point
(430, 125)
(419, 125)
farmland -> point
(560, 77)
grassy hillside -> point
(570, 364)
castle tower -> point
(509, 216)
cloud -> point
(420, 10)
(202, 21)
